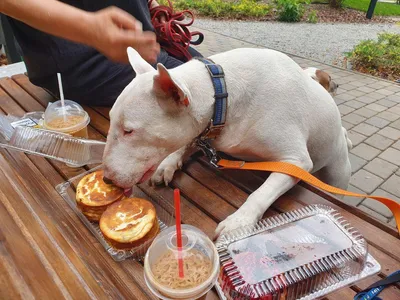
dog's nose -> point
(337, 85)
(107, 181)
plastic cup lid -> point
(197, 250)
(55, 110)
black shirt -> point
(83, 68)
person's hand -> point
(162, 18)
(114, 30)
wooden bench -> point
(46, 252)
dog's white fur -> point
(276, 112)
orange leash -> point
(295, 171)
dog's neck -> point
(200, 92)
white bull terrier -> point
(276, 112)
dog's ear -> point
(323, 78)
(139, 65)
(165, 86)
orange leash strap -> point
(295, 171)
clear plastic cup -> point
(200, 261)
(71, 119)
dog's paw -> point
(239, 219)
(166, 170)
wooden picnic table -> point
(46, 252)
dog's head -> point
(149, 120)
(323, 78)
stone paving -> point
(370, 110)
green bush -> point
(221, 8)
(378, 57)
(290, 10)
(312, 17)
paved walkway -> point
(370, 110)
(324, 42)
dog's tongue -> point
(128, 192)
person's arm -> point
(110, 30)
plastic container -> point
(165, 213)
(200, 258)
(36, 116)
(299, 254)
(71, 119)
(58, 146)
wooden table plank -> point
(114, 281)
(210, 203)
(9, 106)
(343, 294)
(104, 111)
(16, 287)
(98, 121)
(21, 252)
(40, 232)
(19, 95)
(214, 181)
(37, 93)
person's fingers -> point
(144, 42)
(163, 19)
(148, 37)
(132, 38)
(124, 20)
(149, 41)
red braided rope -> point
(174, 35)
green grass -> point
(381, 9)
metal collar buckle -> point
(209, 151)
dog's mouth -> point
(128, 192)
(146, 176)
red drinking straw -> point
(177, 199)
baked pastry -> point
(129, 223)
(93, 195)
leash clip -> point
(209, 151)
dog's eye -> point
(128, 131)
